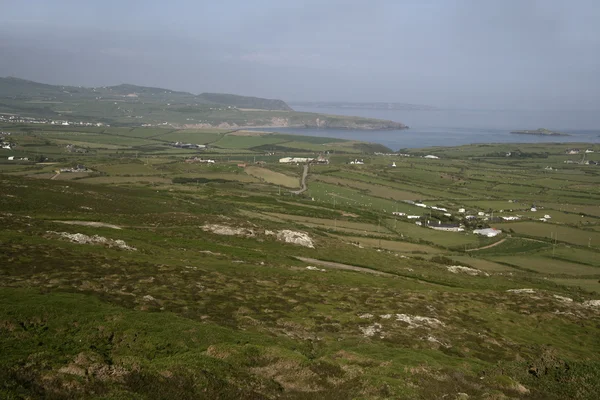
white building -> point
(11, 158)
(489, 232)
(398, 213)
(461, 210)
(394, 164)
(296, 160)
(431, 157)
(421, 205)
(413, 216)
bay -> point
(459, 127)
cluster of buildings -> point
(459, 227)
(577, 151)
(181, 145)
(31, 120)
(71, 148)
(357, 161)
(78, 168)
(4, 144)
(200, 160)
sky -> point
(478, 54)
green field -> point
(551, 231)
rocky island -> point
(540, 132)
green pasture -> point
(549, 266)
(554, 232)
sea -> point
(429, 128)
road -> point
(304, 187)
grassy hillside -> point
(148, 277)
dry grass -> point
(273, 177)
(374, 190)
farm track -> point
(489, 246)
(303, 182)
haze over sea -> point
(458, 127)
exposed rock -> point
(530, 291)
(591, 303)
(149, 298)
(228, 230)
(299, 238)
(80, 238)
(311, 268)
(564, 299)
(372, 330)
(414, 321)
(466, 270)
(366, 316)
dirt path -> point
(304, 175)
(346, 267)
(489, 245)
(54, 177)
(90, 223)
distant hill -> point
(132, 105)
(16, 88)
(245, 102)
(362, 105)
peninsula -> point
(540, 132)
(138, 106)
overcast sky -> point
(495, 54)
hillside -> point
(131, 105)
(150, 273)
(245, 101)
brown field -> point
(375, 190)
(126, 179)
(593, 285)
(484, 265)
(548, 265)
(393, 245)
(276, 178)
(356, 226)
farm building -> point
(445, 227)
(295, 160)
(489, 232)
(431, 157)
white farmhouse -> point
(489, 232)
